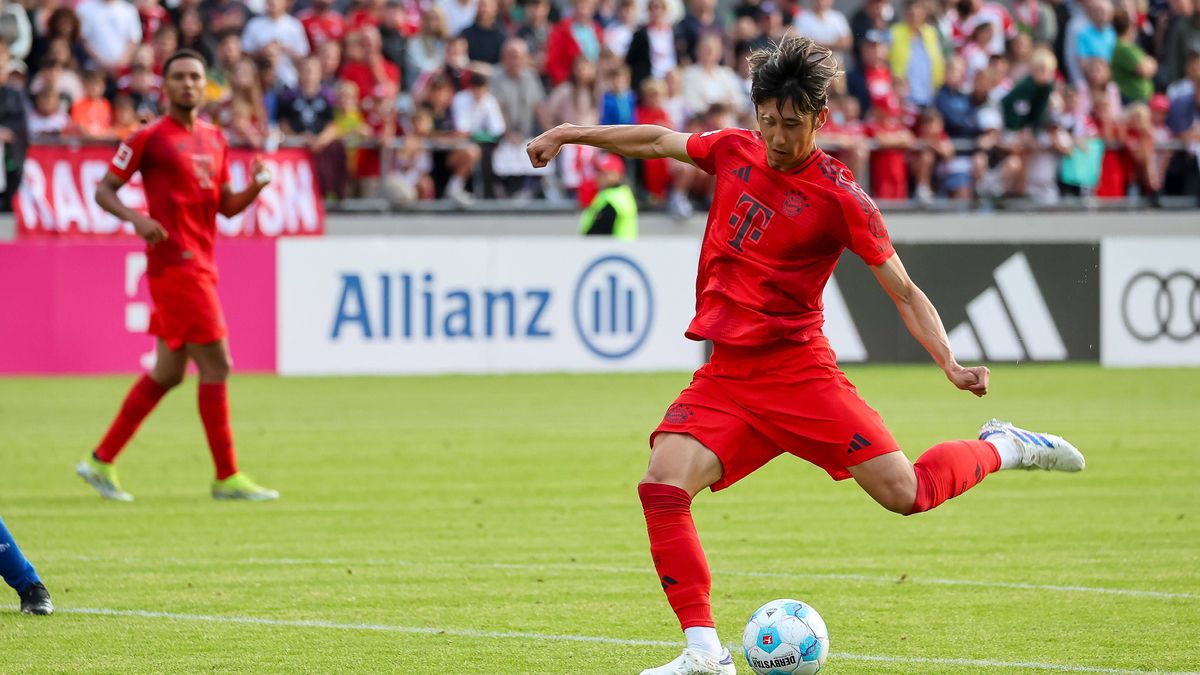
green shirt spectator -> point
(1132, 69)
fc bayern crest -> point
(876, 226)
(794, 203)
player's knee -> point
(167, 379)
(215, 371)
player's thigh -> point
(170, 365)
(889, 479)
(212, 359)
(679, 459)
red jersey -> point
(326, 27)
(182, 172)
(773, 239)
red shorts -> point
(186, 308)
(751, 404)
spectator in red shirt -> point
(889, 165)
(153, 16)
(871, 81)
(656, 173)
(322, 23)
(365, 66)
(369, 13)
(224, 15)
(575, 36)
(92, 114)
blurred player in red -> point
(185, 170)
(783, 213)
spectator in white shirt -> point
(111, 30)
(707, 83)
(476, 111)
(459, 14)
(283, 30)
(619, 34)
(826, 26)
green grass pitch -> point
(470, 524)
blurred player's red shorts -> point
(186, 307)
(751, 404)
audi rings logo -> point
(1155, 305)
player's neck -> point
(812, 149)
(187, 118)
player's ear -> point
(821, 119)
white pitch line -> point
(554, 637)
(613, 569)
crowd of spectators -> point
(423, 99)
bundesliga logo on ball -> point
(786, 637)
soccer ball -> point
(786, 637)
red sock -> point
(949, 469)
(214, 412)
(141, 399)
(678, 558)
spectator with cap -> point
(283, 30)
(872, 19)
(613, 212)
(111, 30)
(916, 53)
(871, 79)
(486, 36)
(572, 38)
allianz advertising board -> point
(483, 305)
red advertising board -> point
(58, 189)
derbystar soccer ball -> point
(786, 637)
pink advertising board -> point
(83, 307)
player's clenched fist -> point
(974, 380)
(545, 147)
(149, 229)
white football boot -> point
(1038, 450)
(695, 662)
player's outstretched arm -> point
(233, 203)
(923, 321)
(106, 196)
(639, 141)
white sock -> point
(703, 639)
(455, 184)
(1010, 456)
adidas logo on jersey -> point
(743, 173)
(1009, 321)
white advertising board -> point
(485, 305)
(1150, 301)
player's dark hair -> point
(795, 69)
(183, 54)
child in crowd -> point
(92, 114)
(656, 173)
(409, 180)
(618, 102)
(844, 136)
(125, 119)
(932, 156)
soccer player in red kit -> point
(185, 170)
(782, 214)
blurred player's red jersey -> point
(182, 172)
(773, 239)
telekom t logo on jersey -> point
(750, 222)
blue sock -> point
(16, 570)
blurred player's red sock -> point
(678, 558)
(214, 412)
(141, 399)
(949, 469)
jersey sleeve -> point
(702, 148)
(128, 159)
(865, 233)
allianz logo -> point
(612, 308)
